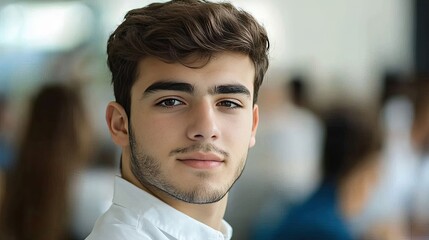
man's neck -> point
(210, 214)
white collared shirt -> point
(136, 214)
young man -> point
(186, 76)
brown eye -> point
(228, 104)
(171, 102)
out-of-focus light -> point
(271, 17)
(45, 26)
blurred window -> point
(45, 26)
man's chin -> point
(198, 196)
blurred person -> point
(6, 145)
(290, 139)
(54, 145)
(349, 166)
(298, 144)
(186, 76)
(403, 116)
(419, 204)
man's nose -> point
(203, 123)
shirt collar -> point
(162, 215)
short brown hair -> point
(177, 30)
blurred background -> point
(366, 55)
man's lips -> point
(201, 160)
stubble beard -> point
(147, 170)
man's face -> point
(190, 129)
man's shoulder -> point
(115, 224)
(119, 223)
(116, 232)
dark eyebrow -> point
(231, 88)
(170, 86)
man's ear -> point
(117, 122)
(254, 126)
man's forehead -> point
(222, 69)
(195, 61)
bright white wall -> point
(345, 45)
